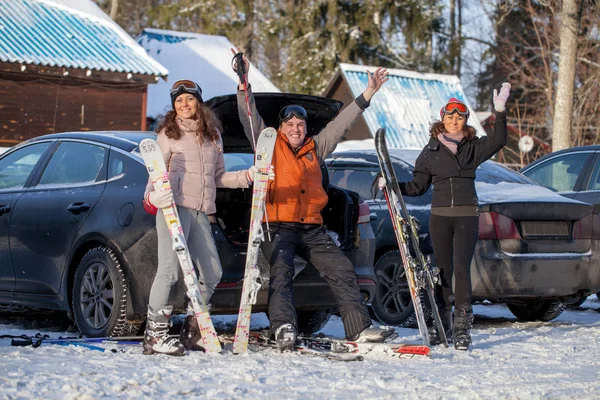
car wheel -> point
(392, 304)
(537, 310)
(100, 295)
(311, 321)
(578, 303)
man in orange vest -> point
(293, 208)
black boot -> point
(463, 321)
(285, 337)
(434, 333)
(190, 336)
(156, 337)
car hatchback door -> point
(15, 171)
(47, 218)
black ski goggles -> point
(294, 110)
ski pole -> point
(238, 65)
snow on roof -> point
(51, 32)
(407, 103)
(205, 59)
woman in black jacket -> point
(449, 162)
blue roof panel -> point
(44, 33)
(406, 104)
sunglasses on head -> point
(294, 110)
(185, 86)
(460, 108)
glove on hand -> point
(500, 98)
(254, 169)
(160, 199)
(381, 183)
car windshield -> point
(492, 172)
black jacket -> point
(453, 175)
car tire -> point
(392, 304)
(537, 310)
(100, 296)
(312, 321)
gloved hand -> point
(381, 183)
(500, 98)
(161, 198)
(254, 169)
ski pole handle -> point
(237, 63)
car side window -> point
(559, 174)
(360, 181)
(74, 163)
(117, 165)
(595, 178)
(16, 167)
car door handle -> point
(4, 209)
(76, 208)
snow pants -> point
(454, 240)
(203, 253)
(312, 243)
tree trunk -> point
(114, 9)
(563, 105)
(459, 39)
(453, 34)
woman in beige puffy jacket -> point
(190, 140)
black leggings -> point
(454, 240)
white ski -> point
(251, 286)
(155, 164)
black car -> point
(573, 173)
(536, 250)
(74, 235)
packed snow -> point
(510, 359)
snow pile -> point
(510, 359)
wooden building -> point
(62, 69)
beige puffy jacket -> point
(196, 170)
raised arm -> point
(496, 140)
(327, 140)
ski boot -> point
(285, 337)
(375, 334)
(463, 321)
(156, 337)
(190, 336)
(434, 333)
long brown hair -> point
(209, 125)
(437, 127)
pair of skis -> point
(159, 175)
(330, 348)
(420, 275)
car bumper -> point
(496, 275)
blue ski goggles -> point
(291, 111)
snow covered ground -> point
(510, 360)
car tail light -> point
(364, 213)
(497, 226)
(583, 228)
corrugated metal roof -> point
(205, 59)
(407, 103)
(46, 33)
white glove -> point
(500, 98)
(254, 169)
(161, 198)
(381, 183)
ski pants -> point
(312, 243)
(454, 240)
(203, 253)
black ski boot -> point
(156, 337)
(434, 334)
(285, 337)
(463, 321)
(190, 336)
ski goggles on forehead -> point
(460, 108)
(294, 110)
(185, 86)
